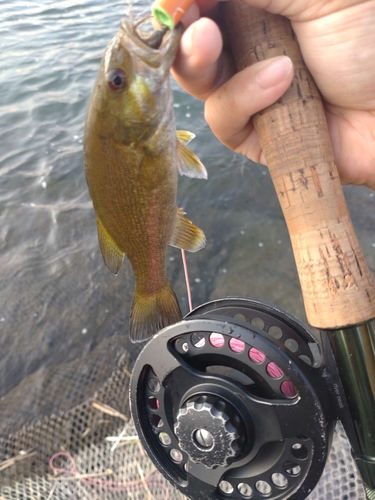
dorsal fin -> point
(112, 255)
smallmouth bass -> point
(132, 157)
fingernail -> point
(275, 72)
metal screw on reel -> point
(230, 403)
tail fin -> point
(151, 313)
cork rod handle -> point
(336, 283)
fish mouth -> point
(157, 48)
(153, 40)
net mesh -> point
(340, 480)
(91, 451)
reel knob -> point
(210, 431)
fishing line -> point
(188, 289)
(104, 484)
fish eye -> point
(116, 80)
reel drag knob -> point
(210, 431)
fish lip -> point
(158, 58)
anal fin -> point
(186, 235)
(112, 255)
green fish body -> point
(132, 158)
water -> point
(59, 305)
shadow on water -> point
(61, 310)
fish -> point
(132, 156)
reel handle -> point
(336, 283)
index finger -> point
(200, 66)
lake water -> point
(59, 304)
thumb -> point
(229, 109)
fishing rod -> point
(240, 399)
(337, 286)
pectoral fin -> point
(112, 255)
(186, 235)
(184, 136)
(188, 163)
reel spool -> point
(231, 403)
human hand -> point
(337, 41)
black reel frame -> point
(232, 402)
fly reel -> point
(231, 403)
